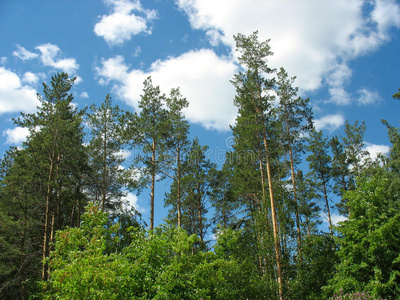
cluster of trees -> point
(65, 232)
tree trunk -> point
(200, 215)
(46, 237)
(274, 220)
(178, 182)
(24, 294)
(104, 184)
(327, 207)
(275, 225)
(153, 184)
(296, 205)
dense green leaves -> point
(158, 264)
(370, 242)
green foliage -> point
(158, 264)
(353, 296)
(370, 242)
(81, 267)
(316, 268)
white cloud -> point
(14, 96)
(122, 24)
(30, 78)
(24, 54)
(16, 136)
(339, 95)
(3, 60)
(202, 76)
(131, 200)
(113, 69)
(368, 97)
(84, 95)
(329, 122)
(137, 52)
(49, 56)
(374, 150)
(338, 76)
(386, 15)
(307, 37)
(124, 154)
(337, 218)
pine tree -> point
(320, 168)
(104, 149)
(21, 226)
(353, 143)
(148, 132)
(196, 189)
(177, 144)
(57, 158)
(296, 118)
(340, 172)
(253, 95)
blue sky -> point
(345, 54)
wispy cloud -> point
(368, 97)
(24, 54)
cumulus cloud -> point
(307, 37)
(336, 219)
(15, 96)
(329, 122)
(16, 135)
(122, 23)
(24, 54)
(84, 95)
(30, 78)
(202, 76)
(50, 57)
(374, 150)
(131, 200)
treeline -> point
(65, 232)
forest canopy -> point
(66, 233)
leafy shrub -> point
(354, 296)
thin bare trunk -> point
(271, 195)
(200, 222)
(274, 221)
(327, 207)
(178, 182)
(262, 180)
(153, 183)
(104, 184)
(296, 205)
